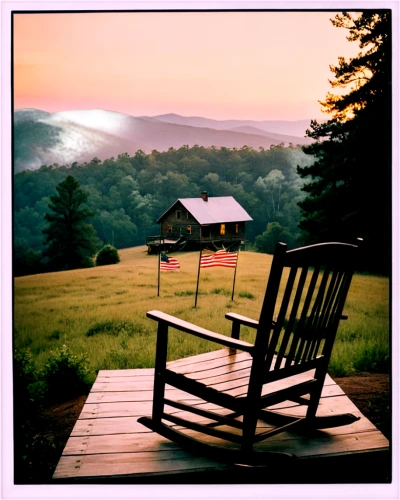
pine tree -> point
(349, 194)
(71, 240)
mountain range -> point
(43, 138)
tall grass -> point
(102, 311)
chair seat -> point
(220, 370)
(229, 373)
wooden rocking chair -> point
(228, 396)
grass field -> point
(102, 311)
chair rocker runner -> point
(224, 405)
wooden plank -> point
(128, 372)
(102, 426)
(120, 443)
(132, 379)
(97, 397)
(128, 385)
(117, 409)
(118, 464)
(109, 397)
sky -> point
(221, 65)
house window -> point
(178, 214)
(189, 230)
(169, 228)
(237, 228)
(222, 229)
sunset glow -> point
(244, 65)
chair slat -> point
(303, 317)
(292, 318)
(312, 320)
(327, 296)
(281, 318)
(326, 317)
(338, 310)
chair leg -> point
(315, 394)
(159, 371)
(313, 405)
(249, 429)
(158, 402)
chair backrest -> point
(306, 304)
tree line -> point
(126, 195)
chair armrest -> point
(243, 320)
(187, 327)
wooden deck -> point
(108, 445)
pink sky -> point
(244, 65)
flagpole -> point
(159, 265)
(234, 275)
(198, 273)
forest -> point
(127, 194)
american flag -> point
(225, 258)
(168, 263)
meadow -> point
(101, 311)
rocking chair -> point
(229, 396)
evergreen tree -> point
(71, 240)
(349, 195)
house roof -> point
(218, 209)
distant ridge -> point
(295, 128)
(43, 138)
(279, 137)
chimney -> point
(204, 195)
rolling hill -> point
(42, 138)
(56, 139)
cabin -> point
(191, 222)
